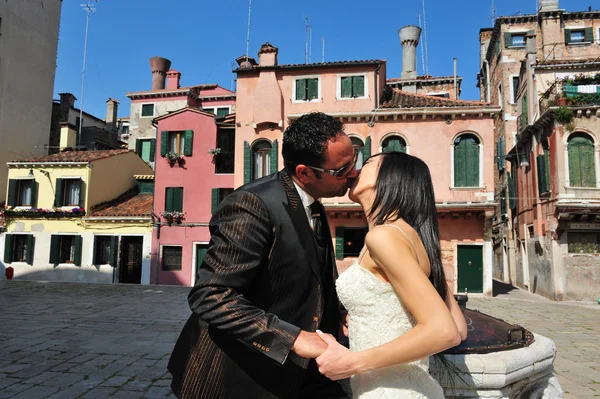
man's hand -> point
(309, 345)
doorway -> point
(470, 268)
(131, 260)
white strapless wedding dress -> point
(376, 317)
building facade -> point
(29, 40)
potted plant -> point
(173, 217)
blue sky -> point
(203, 38)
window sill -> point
(225, 174)
(467, 188)
(516, 47)
(22, 207)
(584, 188)
(578, 44)
(318, 100)
(19, 263)
(352, 98)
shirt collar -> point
(306, 199)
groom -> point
(267, 280)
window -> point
(105, 250)
(440, 95)
(147, 110)
(22, 192)
(543, 172)
(584, 242)
(500, 94)
(358, 148)
(171, 258)
(219, 111)
(65, 249)
(582, 167)
(174, 199)
(514, 89)
(307, 89)
(352, 86)
(393, 143)
(176, 142)
(124, 129)
(261, 159)
(466, 161)
(225, 160)
(180, 142)
(518, 40)
(218, 194)
(354, 240)
(69, 192)
(145, 148)
(579, 35)
(19, 248)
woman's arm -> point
(435, 329)
(457, 315)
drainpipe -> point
(487, 81)
(375, 88)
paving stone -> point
(43, 378)
(36, 392)
(158, 393)
(7, 381)
(13, 390)
(99, 393)
(65, 380)
(116, 381)
(13, 368)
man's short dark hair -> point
(305, 140)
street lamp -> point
(524, 162)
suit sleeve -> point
(241, 237)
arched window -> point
(466, 161)
(358, 145)
(261, 159)
(393, 143)
(582, 168)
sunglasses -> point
(342, 172)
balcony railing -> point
(522, 122)
(575, 92)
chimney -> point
(173, 78)
(112, 106)
(67, 101)
(409, 38)
(267, 55)
(530, 43)
(548, 5)
(159, 67)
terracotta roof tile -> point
(75, 156)
(425, 78)
(139, 205)
(402, 99)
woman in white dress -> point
(400, 310)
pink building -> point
(191, 177)
(455, 138)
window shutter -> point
(507, 39)
(152, 150)
(541, 171)
(12, 193)
(59, 194)
(367, 149)
(587, 163)
(497, 47)
(358, 86)
(114, 249)
(346, 82)
(214, 200)
(34, 193)
(547, 168)
(178, 199)
(138, 147)
(339, 243)
(81, 194)
(313, 88)
(78, 243)
(188, 144)
(169, 200)
(164, 143)
(274, 154)
(501, 154)
(567, 36)
(30, 249)
(8, 248)
(300, 89)
(472, 164)
(575, 163)
(247, 163)
(54, 249)
(512, 192)
(589, 35)
(94, 256)
(503, 202)
(460, 166)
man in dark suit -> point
(267, 280)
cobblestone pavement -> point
(67, 340)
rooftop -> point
(402, 99)
(127, 205)
(74, 156)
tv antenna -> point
(308, 49)
(89, 9)
(248, 35)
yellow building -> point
(79, 216)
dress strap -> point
(405, 235)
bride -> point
(400, 310)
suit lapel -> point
(297, 214)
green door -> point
(470, 269)
(200, 252)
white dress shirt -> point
(307, 201)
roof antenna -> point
(425, 40)
(323, 49)
(308, 48)
(248, 35)
(422, 51)
(88, 9)
(494, 13)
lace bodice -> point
(376, 316)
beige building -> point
(29, 40)
(544, 70)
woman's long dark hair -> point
(404, 190)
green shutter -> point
(547, 167)
(472, 163)
(574, 165)
(497, 47)
(247, 163)
(178, 199)
(300, 89)
(274, 156)
(169, 199)
(77, 252)
(460, 166)
(34, 193)
(114, 249)
(138, 147)
(152, 150)
(589, 35)
(164, 143)
(12, 193)
(588, 165)
(507, 39)
(358, 86)
(30, 249)
(541, 171)
(54, 249)
(367, 149)
(512, 192)
(214, 199)
(81, 194)
(146, 187)
(59, 193)
(582, 171)
(503, 202)
(501, 154)
(346, 83)
(94, 257)
(567, 36)
(188, 144)
(8, 248)
(313, 88)
(339, 243)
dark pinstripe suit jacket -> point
(260, 283)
